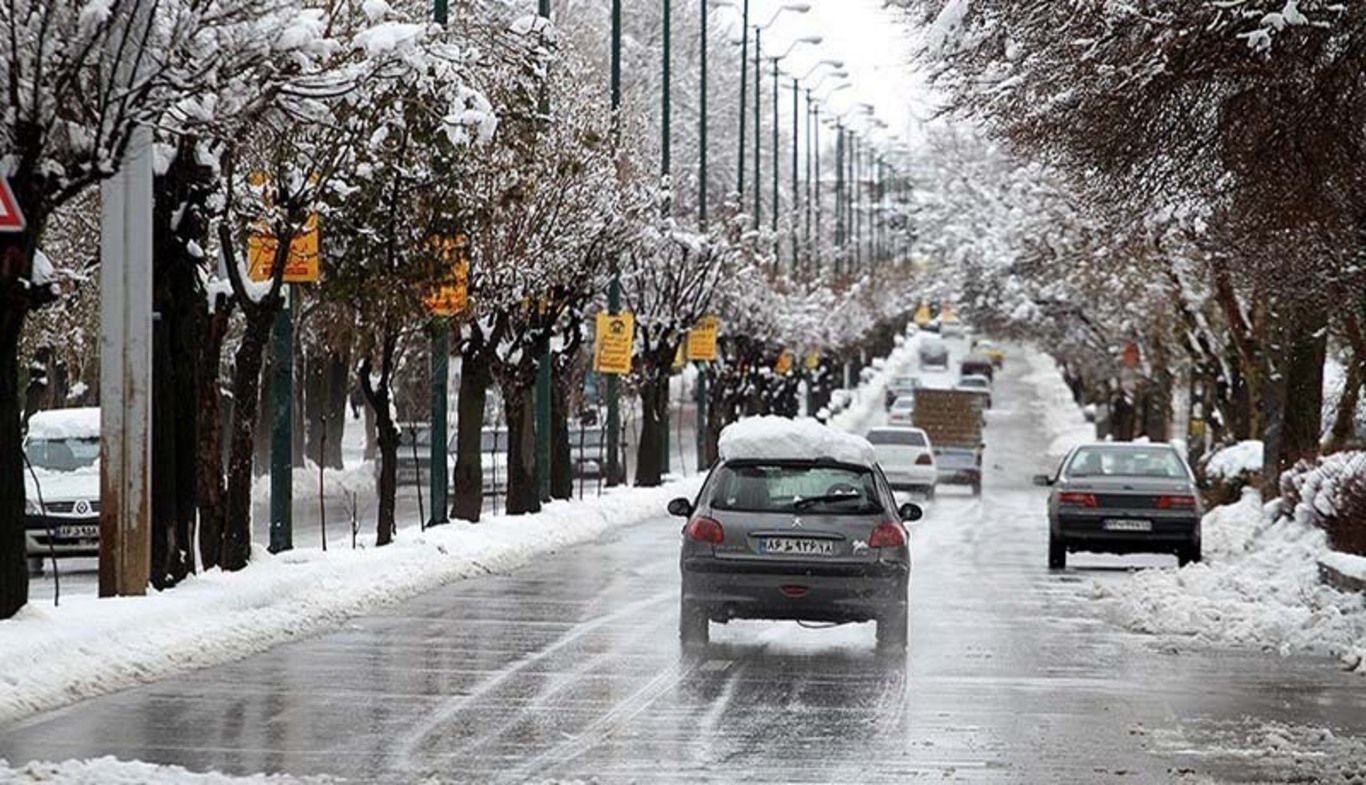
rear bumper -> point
(1087, 532)
(917, 477)
(960, 476)
(734, 589)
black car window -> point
(832, 490)
(62, 455)
(896, 436)
(1156, 462)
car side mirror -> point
(680, 507)
(910, 512)
(1043, 479)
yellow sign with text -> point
(813, 359)
(301, 266)
(450, 296)
(922, 315)
(702, 339)
(612, 347)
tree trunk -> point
(1303, 418)
(561, 455)
(335, 373)
(468, 479)
(13, 565)
(522, 495)
(211, 490)
(387, 487)
(654, 407)
(246, 391)
(264, 412)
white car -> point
(62, 508)
(902, 411)
(978, 384)
(907, 458)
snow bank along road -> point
(569, 669)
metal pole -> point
(702, 126)
(816, 179)
(614, 288)
(777, 264)
(282, 427)
(439, 364)
(806, 237)
(744, 90)
(666, 165)
(796, 193)
(758, 133)
(839, 197)
(543, 378)
(126, 371)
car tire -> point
(35, 567)
(893, 631)
(1057, 553)
(1188, 554)
(694, 628)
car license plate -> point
(796, 546)
(78, 532)
(1127, 525)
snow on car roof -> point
(781, 439)
(65, 424)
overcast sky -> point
(875, 45)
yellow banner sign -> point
(813, 359)
(784, 364)
(922, 315)
(612, 348)
(301, 266)
(702, 339)
(450, 295)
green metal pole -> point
(744, 90)
(282, 428)
(666, 164)
(543, 379)
(440, 366)
(758, 88)
(796, 194)
(614, 288)
(839, 197)
(773, 219)
(701, 431)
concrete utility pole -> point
(126, 370)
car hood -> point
(64, 486)
(1127, 484)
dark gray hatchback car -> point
(1123, 498)
(809, 540)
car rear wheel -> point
(892, 630)
(1188, 554)
(694, 628)
(1057, 553)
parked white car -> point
(906, 457)
(63, 448)
(902, 411)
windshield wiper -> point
(805, 502)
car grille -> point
(1118, 501)
(67, 508)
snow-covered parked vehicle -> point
(62, 492)
(795, 521)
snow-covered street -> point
(568, 669)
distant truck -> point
(953, 420)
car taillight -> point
(924, 459)
(705, 530)
(1072, 499)
(887, 535)
(1176, 502)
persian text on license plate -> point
(1127, 525)
(796, 546)
(78, 532)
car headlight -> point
(31, 506)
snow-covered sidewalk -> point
(110, 771)
(1062, 418)
(88, 646)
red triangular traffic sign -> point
(11, 219)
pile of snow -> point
(1243, 458)
(1063, 421)
(88, 646)
(81, 423)
(1258, 585)
(779, 439)
(868, 397)
(1316, 490)
(337, 483)
(111, 771)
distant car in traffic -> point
(991, 351)
(796, 521)
(933, 353)
(62, 492)
(906, 457)
(1123, 498)
(951, 328)
(902, 411)
(978, 384)
(901, 385)
(977, 364)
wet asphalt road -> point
(570, 670)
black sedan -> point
(1123, 498)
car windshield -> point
(900, 436)
(904, 383)
(842, 490)
(1127, 462)
(62, 455)
(904, 403)
(970, 382)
